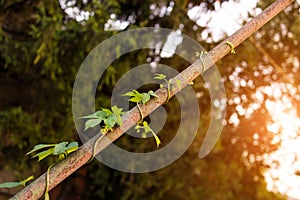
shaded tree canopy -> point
(43, 44)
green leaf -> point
(92, 116)
(117, 114)
(145, 98)
(97, 115)
(92, 123)
(151, 93)
(157, 140)
(73, 146)
(110, 122)
(160, 76)
(118, 120)
(110, 117)
(116, 110)
(9, 184)
(60, 148)
(106, 111)
(136, 99)
(44, 154)
(147, 129)
(131, 93)
(39, 147)
(26, 180)
(100, 114)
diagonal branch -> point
(77, 159)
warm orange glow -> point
(283, 175)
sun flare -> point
(284, 173)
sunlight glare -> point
(283, 174)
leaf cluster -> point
(169, 84)
(143, 98)
(137, 97)
(110, 118)
(144, 128)
(61, 150)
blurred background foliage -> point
(43, 46)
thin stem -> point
(157, 140)
(47, 181)
(202, 61)
(95, 146)
(140, 110)
(169, 92)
